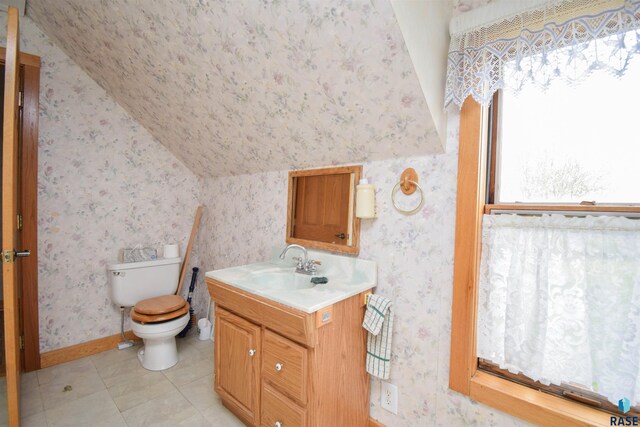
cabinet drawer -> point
(284, 365)
(278, 409)
(291, 323)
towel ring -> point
(395, 190)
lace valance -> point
(566, 40)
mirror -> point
(321, 209)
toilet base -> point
(158, 354)
(160, 351)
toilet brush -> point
(192, 317)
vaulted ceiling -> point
(244, 86)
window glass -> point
(571, 144)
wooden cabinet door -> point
(322, 208)
(237, 364)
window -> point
(555, 151)
(514, 393)
(558, 149)
(570, 144)
(564, 150)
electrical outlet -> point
(389, 397)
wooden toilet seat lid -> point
(157, 318)
(160, 305)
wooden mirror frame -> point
(352, 249)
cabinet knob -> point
(279, 366)
(252, 352)
(277, 424)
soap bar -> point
(319, 280)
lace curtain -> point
(559, 300)
(540, 45)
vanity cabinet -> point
(280, 367)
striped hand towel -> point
(378, 320)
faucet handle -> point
(300, 262)
(311, 266)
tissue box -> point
(139, 254)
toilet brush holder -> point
(204, 326)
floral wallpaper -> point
(103, 184)
(415, 269)
(243, 86)
(106, 183)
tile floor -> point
(113, 389)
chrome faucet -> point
(304, 265)
(294, 246)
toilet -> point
(157, 315)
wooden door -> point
(29, 77)
(10, 236)
(237, 364)
(322, 208)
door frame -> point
(30, 88)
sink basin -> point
(277, 280)
(281, 281)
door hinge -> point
(21, 342)
(20, 222)
(8, 256)
(20, 99)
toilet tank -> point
(134, 281)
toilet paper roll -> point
(171, 251)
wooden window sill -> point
(533, 405)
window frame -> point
(522, 401)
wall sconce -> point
(365, 199)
